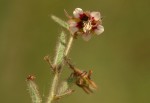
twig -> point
(54, 86)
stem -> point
(56, 75)
(69, 45)
(53, 88)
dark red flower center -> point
(84, 17)
(94, 27)
(80, 24)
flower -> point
(81, 78)
(85, 23)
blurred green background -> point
(120, 57)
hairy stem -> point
(54, 86)
(69, 45)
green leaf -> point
(34, 93)
(60, 49)
(63, 88)
(60, 22)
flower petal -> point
(73, 26)
(77, 12)
(95, 15)
(86, 37)
(99, 30)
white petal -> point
(86, 37)
(77, 12)
(99, 30)
(95, 15)
(72, 26)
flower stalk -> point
(58, 65)
(69, 45)
(53, 88)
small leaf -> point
(60, 49)
(63, 88)
(33, 90)
(60, 22)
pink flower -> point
(85, 23)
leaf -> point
(63, 90)
(60, 22)
(60, 49)
(34, 92)
(65, 87)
